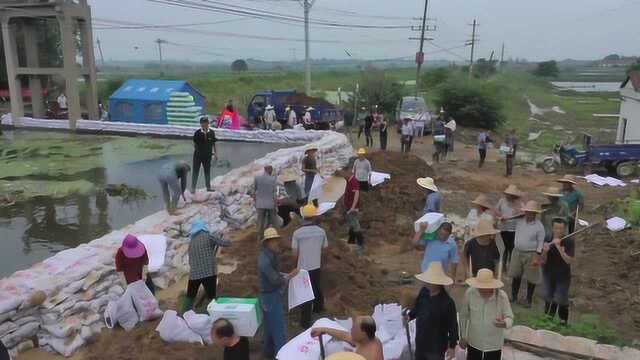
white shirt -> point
(307, 118)
(293, 118)
(62, 101)
(309, 240)
(407, 129)
(362, 169)
(269, 116)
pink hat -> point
(132, 247)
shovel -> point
(407, 332)
(322, 353)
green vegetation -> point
(27, 189)
(378, 88)
(589, 326)
(239, 66)
(547, 69)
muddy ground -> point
(605, 276)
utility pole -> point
(420, 55)
(473, 47)
(307, 4)
(100, 50)
(160, 42)
(502, 57)
(355, 112)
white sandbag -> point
(7, 327)
(316, 188)
(145, 303)
(172, 328)
(22, 333)
(201, 324)
(62, 347)
(461, 354)
(121, 312)
(305, 347)
(156, 246)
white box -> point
(244, 314)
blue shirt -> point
(268, 272)
(433, 203)
(437, 250)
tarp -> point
(156, 250)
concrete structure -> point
(629, 122)
(23, 17)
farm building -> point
(157, 102)
(629, 122)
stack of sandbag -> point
(192, 328)
(182, 110)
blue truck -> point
(621, 159)
(323, 116)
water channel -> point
(58, 180)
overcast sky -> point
(536, 30)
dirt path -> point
(605, 280)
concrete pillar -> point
(71, 69)
(35, 85)
(89, 64)
(11, 57)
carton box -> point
(244, 313)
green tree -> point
(376, 88)
(484, 68)
(239, 66)
(547, 69)
(472, 102)
(634, 67)
(434, 77)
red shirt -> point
(132, 268)
(353, 186)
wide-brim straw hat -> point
(308, 211)
(269, 107)
(270, 233)
(532, 206)
(483, 201)
(513, 191)
(346, 356)
(484, 227)
(552, 191)
(427, 183)
(288, 175)
(435, 275)
(568, 179)
(362, 151)
(310, 148)
(485, 280)
(333, 189)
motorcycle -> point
(563, 156)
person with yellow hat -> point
(307, 244)
(481, 252)
(436, 316)
(271, 284)
(527, 252)
(573, 197)
(362, 336)
(484, 316)
(362, 169)
(556, 208)
(506, 211)
(433, 199)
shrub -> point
(473, 103)
(547, 69)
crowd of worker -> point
(528, 240)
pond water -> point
(57, 181)
(584, 86)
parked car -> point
(411, 107)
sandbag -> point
(143, 300)
(172, 328)
(121, 312)
(201, 324)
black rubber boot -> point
(550, 309)
(531, 288)
(515, 288)
(352, 237)
(563, 313)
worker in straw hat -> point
(362, 336)
(506, 210)
(436, 316)
(362, 169)
(433, 198)
(573, 197)
(269, 117)
(556, 208)
(272, 283)
(481, 252)
(485, 314)
(291, 196)
(525, 261)
(307, 243)
(481, 209)
(309, 167)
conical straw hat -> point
(485, 280)
(552, 191)
(435, 275)
(333, 189)
(513, 190)
(427, 183)
(484, 227)
(362, 151)
(532, 206)
(571, 179)
(288, 175)
(483, 201)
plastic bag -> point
(121, 312)
(461, 354)
(172, 328)
(201, 324)
(145, 303)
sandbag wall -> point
(58, 304)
